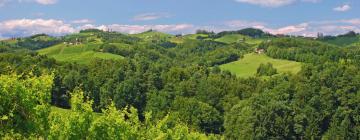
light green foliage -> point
(248, 65)
(113, 124)
(24, 105)
(163, 129)
(76, 125)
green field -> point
(152, 35)
(195, 36)
(76, 53)
(247, 66)
(233, 38)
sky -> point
(295, 17)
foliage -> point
(179, 87)
(24, 104)
(303, 50)
(252, 32)
(266, 70)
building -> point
(241, 40)
(259, 51)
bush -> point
(266, 70)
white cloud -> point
(311, 28)
(132, 29)
(275, 3)
(151, 16)
(82, 21)
(291, 29)
(268, 3)
(312, 1)
(46, 2)
(26, 27)
(355, 21)
(342, 8)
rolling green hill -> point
(248, 65)
(233, 38)
(189, 37)
(152, 35)
(344, 41)
(82, 53)
(195, 36)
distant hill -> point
(350, 38)
(76, 53)
(34, 42)
(252, 32)
(78, 48)
(238, 38)
(93, 43)
(153, 35)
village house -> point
(259, 51)
(76, 42)
(241, 40)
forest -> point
(108, 85)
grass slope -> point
(76, 53)
(247, 66)
(233, 38)
(181, 39)
(152, 35)
(195, 36)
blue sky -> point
(298, 17)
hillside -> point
(247, 66)
(238, 38)
(155, 85)
(153, 36)
(81, 53)
(344, 41)
(350, 38)
(180, 70)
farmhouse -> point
(241, 40)
(76, 42)
(259, 50)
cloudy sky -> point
(298, 17)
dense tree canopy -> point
(171, 87)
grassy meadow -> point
(76, 53)
(247, 66)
